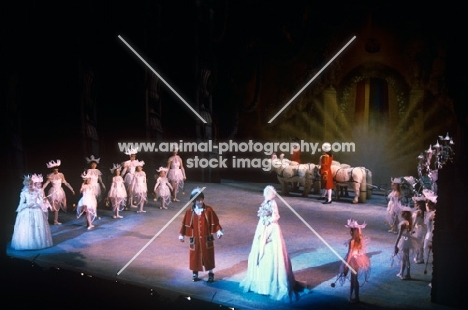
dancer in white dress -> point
(394, 205)
(96, 177)
(176, 174)
(117, 194)
(87, 203)
(162, 188)
(419, 227)
(56, 194)
(139, 187)
(269, 269)
(405, 243)
(31, 230)
(128, 171)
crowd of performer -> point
(269, 266)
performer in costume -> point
(199, 224)
(56, 194)
(356, 258)
(393, 214)
(162, 188)
(96, 177)
(419, 227)
(139, 188)
(405, 242)
(117, 194)
(429, 218)
(269, 270)
(87, 203)
(128, 171)
(31, 230)
(325, 171)
(176, 174)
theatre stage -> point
(138, 260)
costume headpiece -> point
(197, 191)
(26, 179)
(114, 167)
(326, 147)
(429, 150)
(447, 137)
(451, 142)
(437, 145)
(140, 163)
(354, 224)
(91, 159)
(418, 198)
(430, 195)
(53, 164)
(269, 192)
(421, 156)
(37, 178)
(162, 169)
(131, 151)
(396, 180)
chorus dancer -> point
(357, 259)
(87, 203)
(162, 188)
(56, 194)
(394, 205)
(176, 174)
(405, 243)
(139, 188)
(419, 227)
(117, 194)
(31, 230)
(96, 177)
(128, 171)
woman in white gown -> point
(269, 269)
(393, 214)
(31, 230)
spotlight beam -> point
(159, 232)
(162, 79)
(305, 86)
(317, 234)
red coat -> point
(200, 230)
(325, 171)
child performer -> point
(139, 188)
(163, 188)
(405, 242)
(117, 194)
(357, 259)
(87, 203)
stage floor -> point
(142, 250)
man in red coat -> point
(325, 171)
(199, 224)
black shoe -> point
(326, 202)
(210, 277)
(195, 277)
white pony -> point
(290, 172)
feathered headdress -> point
(162, 169)
(429, 150)
(53, 164)
(396, 180)
(131, 151)
(91, 159)
(196, 191)
(354, 224)
(37, 178)
(437, 145)
(140, 163)
(115, 166)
